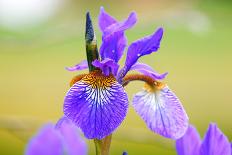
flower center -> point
(97, 80)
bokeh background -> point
(39, 38)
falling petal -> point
(82, 65)
(97, 104)
(215, 142)
(190, 143)
(162, 112)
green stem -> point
(103, 146)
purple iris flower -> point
(98, 103)
(57, 141)
(214, 142)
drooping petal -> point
(107, 66)
(162, 112)
(140, 48)
(215, 142)
(47, 142)
(73, 143)
(190, 143)
(97, 104)
(113, 40)
(147, 70)
(82, 65)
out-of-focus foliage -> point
(196, 51)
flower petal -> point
(147, 70)
(105, 19)
(215, 142)
(140, 48)
(47, 142)
(162, 112)
(82, 65)
(107, 66)
(121, 26)
(190, 143)
(113, 40)
(72, 141)
(97, 104)
(113, 46)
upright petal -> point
(97, 104)
(147, 70)
(105, 19)
(190, 143)
(162, 112)
(215, 142)
(72, 141)
(82, 65)
(140, 48)
(113, 40)
(121, 26)
(107, 66)
(113, 46)
(47, 142)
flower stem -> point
(103, 146)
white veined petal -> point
(162, 111)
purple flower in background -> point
(98, 103)
(57, 141)
(214, 142)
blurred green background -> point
(38, 39)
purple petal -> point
(121, 26)
(147, 70)
(140, 48)
(107, 66)
(215, 142)
(113, 46)
(190, 143)
(231, 148)
(72, 141)
(47, 142)
(105, 19)
(97, 104)
(82, 65)
(113, 40)
(162, 112)
(61, 121)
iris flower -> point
(214, 142)
(97, 101)
(57, 141)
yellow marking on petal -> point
(97, 80)
(76, 79)
(157, 86)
